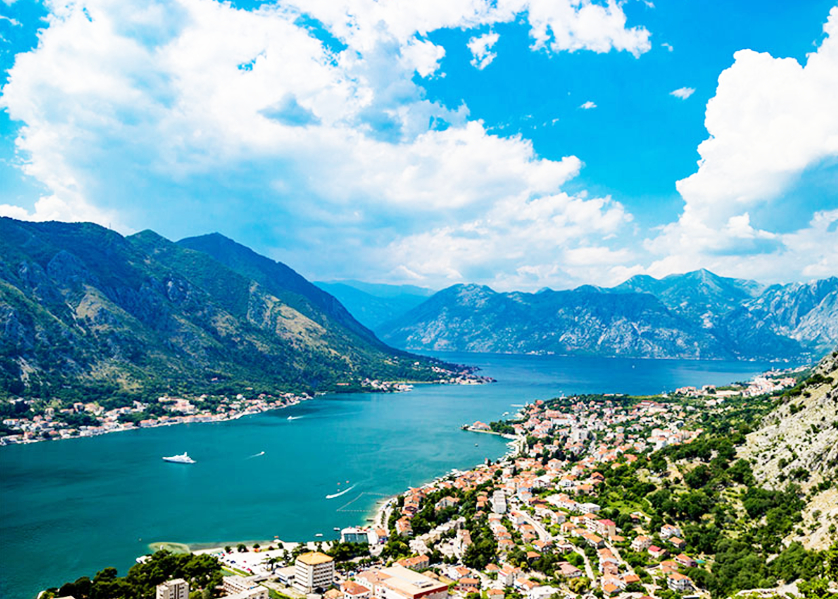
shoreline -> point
(393, 387)
(381, 507)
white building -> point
(498, 502)
(313, 570)
(258, 592)
(235, 585)
(173, 589)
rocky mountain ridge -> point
(697, 315)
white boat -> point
(179, 459)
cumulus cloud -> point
(588, 105)
(682, 93)
(771, 120)
(191, 115)
(569, 26)
(49, 208)
(557, 25)
(481, 47)
(522, 243)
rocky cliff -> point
(798, 442)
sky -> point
(520, 144)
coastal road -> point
(382, 515)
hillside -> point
(798, 441)
(697, 315)
(86, 312)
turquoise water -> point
(70, 508)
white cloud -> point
(53, 208)
(564, 25)
(422, 56)
(189, 116)
(770, 121)
(667, 46)
(522, 243)
(12, 22)
(481, 47)
(588, 105)
(683, 93)
(559, 25)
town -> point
(527, 527)
(568, 512)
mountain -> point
(699, 295)
(691, 316)
(283, 282)
(374, 305)
(86, 311)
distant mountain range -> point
(698, 315)
(86, 311)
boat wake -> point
(294, 417)
(344, 492)
(256, 455)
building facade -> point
(313, 571)
(177, 588)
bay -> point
(70, 508)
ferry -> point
(179, 459)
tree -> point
(817, 588)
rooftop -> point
(313, 558)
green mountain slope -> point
(85, 311)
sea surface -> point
(69, 508)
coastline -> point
(379, 511)
(258, 406)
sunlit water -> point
(69, 508)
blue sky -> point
(516, 143)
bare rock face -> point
(697, 315)
(798, 442)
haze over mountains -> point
(375, 305)
(694, 315)
(84, 309)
